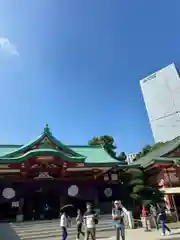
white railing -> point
(128, 217)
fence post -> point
(117, 233)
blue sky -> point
(76, 65)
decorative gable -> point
(46, 145)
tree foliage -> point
(134, 179)
(138, 187)
(108, 143)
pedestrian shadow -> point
(7, 232)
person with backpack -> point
(90, 221)
(118, 219)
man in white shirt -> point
(90, 221)
(64, 225)
(118, 219)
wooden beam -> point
(87, 169)
(4, 166)
(9, 170)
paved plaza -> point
(104, 235)
(50, 230)
(153, 235)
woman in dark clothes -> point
(162, 220)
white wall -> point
(161, 92)
(167, 128)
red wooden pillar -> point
(164, 185)
(169, 184)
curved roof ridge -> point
(10, 145)
(46, 133)
(159, 152)
(24, 147)
(85, 146)
(42, 152)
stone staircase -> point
(50, 229)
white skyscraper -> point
(161, 92)
(130, 157)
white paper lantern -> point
(108, 192)
(73, 190)
(8, 193)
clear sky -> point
(76, 65)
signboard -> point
(15, 204)
(45, 159)
(80, 165)
(44, 175)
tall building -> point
(161, 92)
(130, 157)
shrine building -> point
(162, 167)
(46, 174)
(38, 178)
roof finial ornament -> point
(46, 129)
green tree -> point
(122, 156)
(138, 187)
(108, 143)
(146, 149)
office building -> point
(161, 92)
(130, 157)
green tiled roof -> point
(158, 154)
(5, 149)
(92, 155)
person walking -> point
(118, 218)
(64, 225)
(79, 222)
(90, 221)
(162, 220)
(145, 219)
(154, 214)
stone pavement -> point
(7, 233)
(28, 230)
(133, 234)
(50, 229)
